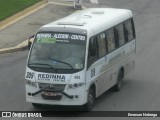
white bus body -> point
(78, 58)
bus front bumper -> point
(67, 97)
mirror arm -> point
(30, 42)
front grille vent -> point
(56, 87)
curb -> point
(19, 16)
(19, 47)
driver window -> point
(92, 53)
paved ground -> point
(23, 29)
(14, 37)
(140, 91)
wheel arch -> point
(123, 71)
(93, 86)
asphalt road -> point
(140, 91)
(26, 27)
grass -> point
(10, 7)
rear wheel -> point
(91, 98)
(118, 86)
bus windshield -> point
(58, 51)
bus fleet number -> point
(93, 71)
(76, 77)
(30, 75)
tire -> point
(118, 85)
(91, 98)
(36, 105)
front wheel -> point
(36, 105)
(91, 98)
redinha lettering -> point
(58, 78)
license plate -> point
(50, 93)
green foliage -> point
(10, 7)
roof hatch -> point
(72, 23)
(98, 12)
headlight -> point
(75, 85)
(29, 82)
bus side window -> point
(111, 43)
(120, 35)
(101, 40)
(129, 30)
(92, 53)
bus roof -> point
(92, 19)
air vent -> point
(87, 16)
(97, 12)
(72, 23)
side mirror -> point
(30, 41)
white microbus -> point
(74, 60)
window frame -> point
(117, 29)
(104, 42)
(91, 61)
(114, 37)
(117, 46)
(132, 29)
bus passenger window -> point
(129, 30)
(111, 43)
(92, 53)
(101, 44)
(121, 37)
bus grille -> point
(56, 87)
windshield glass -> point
(58, 51)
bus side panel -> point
(97, 74)
(111, 67)
(93, 77)
(107, 82)
(131, 51)
(127, 64)
(130, 64)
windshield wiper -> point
(62, 62)
(41, 64)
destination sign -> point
(61, 36)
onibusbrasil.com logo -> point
(21, 114)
